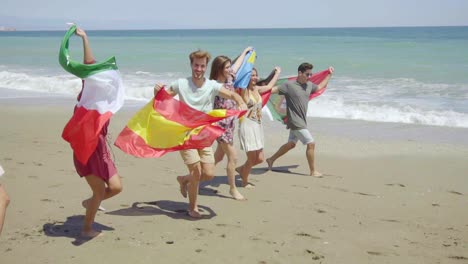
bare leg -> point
(310, 158)
(193, 183)
(219, 153)
(207, 171)
(230, 169)
(281, 151)
(99, 190)
(253, 158)
(183, 181)
(4, 201)
(113, 188)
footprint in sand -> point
(458, 257)
(302, 234)
(342, 189)
(226, 225)
(365, 194)
(254, 238)
(315, 256)
(300, 186)
(202, 231)
(395, 184)
(455, 192)
(390, 220)
(375, 253)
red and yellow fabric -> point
(166, 124)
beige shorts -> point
(192, 156)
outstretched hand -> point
(248, 49)
(278, 69)
(80, 32)
(331, 69)
(242, 107)
(157, 87)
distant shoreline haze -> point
(10, 28)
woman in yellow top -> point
(250, 126)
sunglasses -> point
(308, 74)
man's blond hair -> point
(200, 54)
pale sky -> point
(193, 14)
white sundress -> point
(250, 127)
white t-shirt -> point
(201, 98)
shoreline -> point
(352, 129)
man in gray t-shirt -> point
(297, 94)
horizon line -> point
(240, 28)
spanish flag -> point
(276, 106)
(166, 124)
(101, 97)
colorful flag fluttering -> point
(101, 97)
(245, 71)
(276, 106)
(166, 124)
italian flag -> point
(166, 124)
(276, 104)
(101, 97)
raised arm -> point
(324, 83)
(271, 84)
(88, 56)
(235, 67)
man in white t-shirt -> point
(199, 93)
(4, 201)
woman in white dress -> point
(250, 126)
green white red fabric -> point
(102, 96)
(276, 106)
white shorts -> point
(300, 134)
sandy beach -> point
(392, 193)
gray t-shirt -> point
(297, 100)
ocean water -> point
(413, 75)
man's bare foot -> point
(236, 194)
(316, 174)
(84, 203)
(270, 164)
(194, 214)
(90, 234)
(183, 185)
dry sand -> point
(388, 196)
